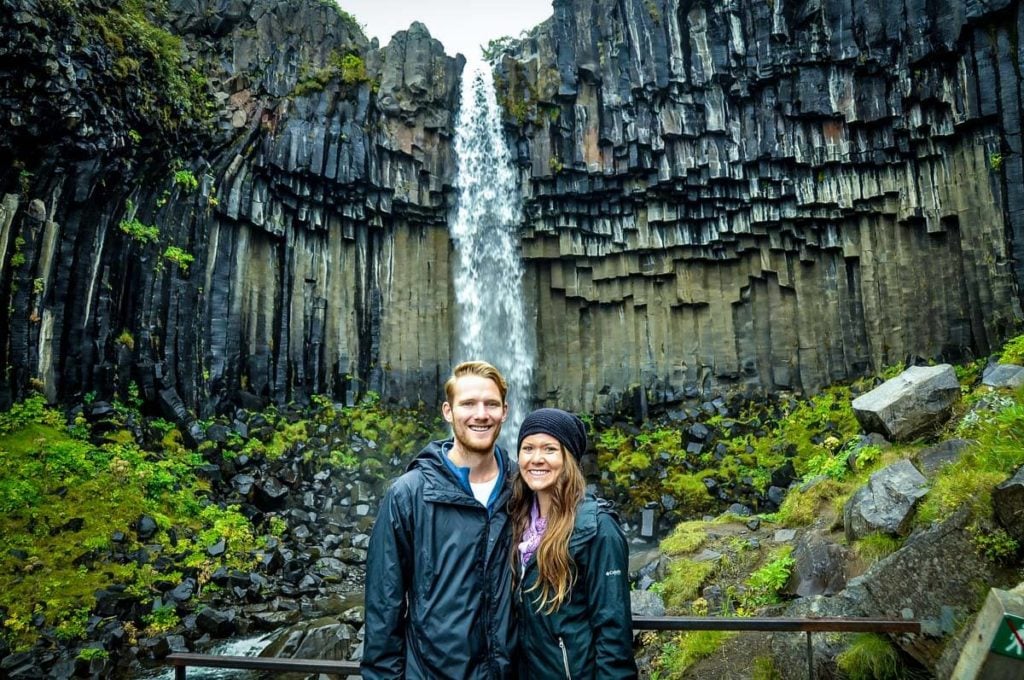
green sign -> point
(1009, 639)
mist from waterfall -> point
(488, 270)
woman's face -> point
(541, 460)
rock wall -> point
(778, 194)
(770, 195)
(316, 223)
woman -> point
(572, 592)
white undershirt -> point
(482, 491)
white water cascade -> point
(488, 271)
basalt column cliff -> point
(773, 193)
(230, 201)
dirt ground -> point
(734, 660)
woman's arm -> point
(607, 581)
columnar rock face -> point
(316, 214)
(717, 194)
(772, 193)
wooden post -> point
(995, 649)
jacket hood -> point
(442, 482)
(587, 511)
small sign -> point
(1009, 639)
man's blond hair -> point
(480, 368)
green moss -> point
(684, 580)
(520, 99)
(1013, 351)
(794, 431)
(764, 669)
(349, 69)
(685, 649)
(690, 492)
(126, 339)
(92, 654)
(801, 508)
(999, 452)
(686, 537)
(871, 657)
(161, 620)
(149, 63)
(877, 546)
(61, 499)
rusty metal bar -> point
(810, 657)
(257, 663)
(780, 625)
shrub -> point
(139, 232)
(92, 654)
(994, 543)
(764, 584)
(161, 620)
(186, 180)
(178, 257)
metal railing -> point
(808, 626)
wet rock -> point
(918, 399)
(646, 603)
(270, 495)
(1008, 503)
(819, 566)
(243, 484)
(184, 590)
(1006, 376)
(323, 638)
(886, 502)
(934, 458)
(218, 623)
(146, 527)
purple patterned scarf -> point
(534, 532)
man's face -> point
(476, 413)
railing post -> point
(179, 672)
(810, 657)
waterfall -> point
(488, 270)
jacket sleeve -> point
(387, 580)
(607, 581)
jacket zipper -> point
(565, 657)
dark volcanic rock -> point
(886, 502)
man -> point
(438, 581)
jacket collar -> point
(442, 484)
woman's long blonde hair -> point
(556, 571)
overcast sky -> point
(461, 25)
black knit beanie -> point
(563, 426)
